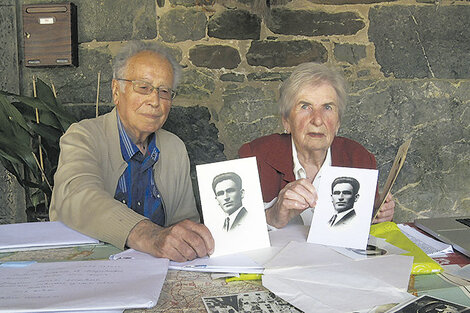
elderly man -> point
(229, 194)
(124, 180)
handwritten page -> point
(84, 285)
(40, 235)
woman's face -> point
(314, 118)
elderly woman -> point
(312, 102)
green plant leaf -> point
(12, 112)
(44, 92)
(46, 132)
(21, 151)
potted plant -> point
(30, 128)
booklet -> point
(393, 174)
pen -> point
(196, 266)
(244, 277)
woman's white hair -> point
(311, 74)
(134, 47)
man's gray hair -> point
(311, 74)
(134, 47)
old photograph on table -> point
(232, 205)
(343, 212)
(259, 301)
(429, 304)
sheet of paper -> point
(376, 247)
(344, 208)
(279, 239)
(456, 270)
(37, 235)
(233, 263)
(311, 278)
(232, 205)
(82, 286)
(430, 246)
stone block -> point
(182, 24)
(350, 53)
(214, 56)
(234, 24)
(197, 84)
(247, 112)
(285, 53)
(422, 41)
(268, 76)
(9, 52)
(383, 114)
(113, 20)
(186, 3)
(78, 84)
(232, 77)
(341, 2)
(314, 23)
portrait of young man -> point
(232, 205)
(229, 194)
(344, 194)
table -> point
(182, 290)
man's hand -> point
(181, 242)
(292, 200)
(385, 213)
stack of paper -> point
(235, 263)
(315, 278)
(82, 286)
(40, 235)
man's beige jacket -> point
(90, 164)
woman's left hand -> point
(385, 213)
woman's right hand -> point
(292, 200)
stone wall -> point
(407, 62)
(12, 197)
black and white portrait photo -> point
(228, 190)
(344, 194)
(232, 205)
(344, 208)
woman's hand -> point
(292, 200)
(385, 213)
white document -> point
(344, 208)
(315, 278)
(233, 263)
(232, 205)
(82, 286)
(430, 246)
(40, 235)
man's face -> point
(140, 114)
(229, 195)
(343, 197)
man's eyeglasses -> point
(145, 88)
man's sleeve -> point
(79, 198)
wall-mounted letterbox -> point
(50, 34)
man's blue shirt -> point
(136, 187)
